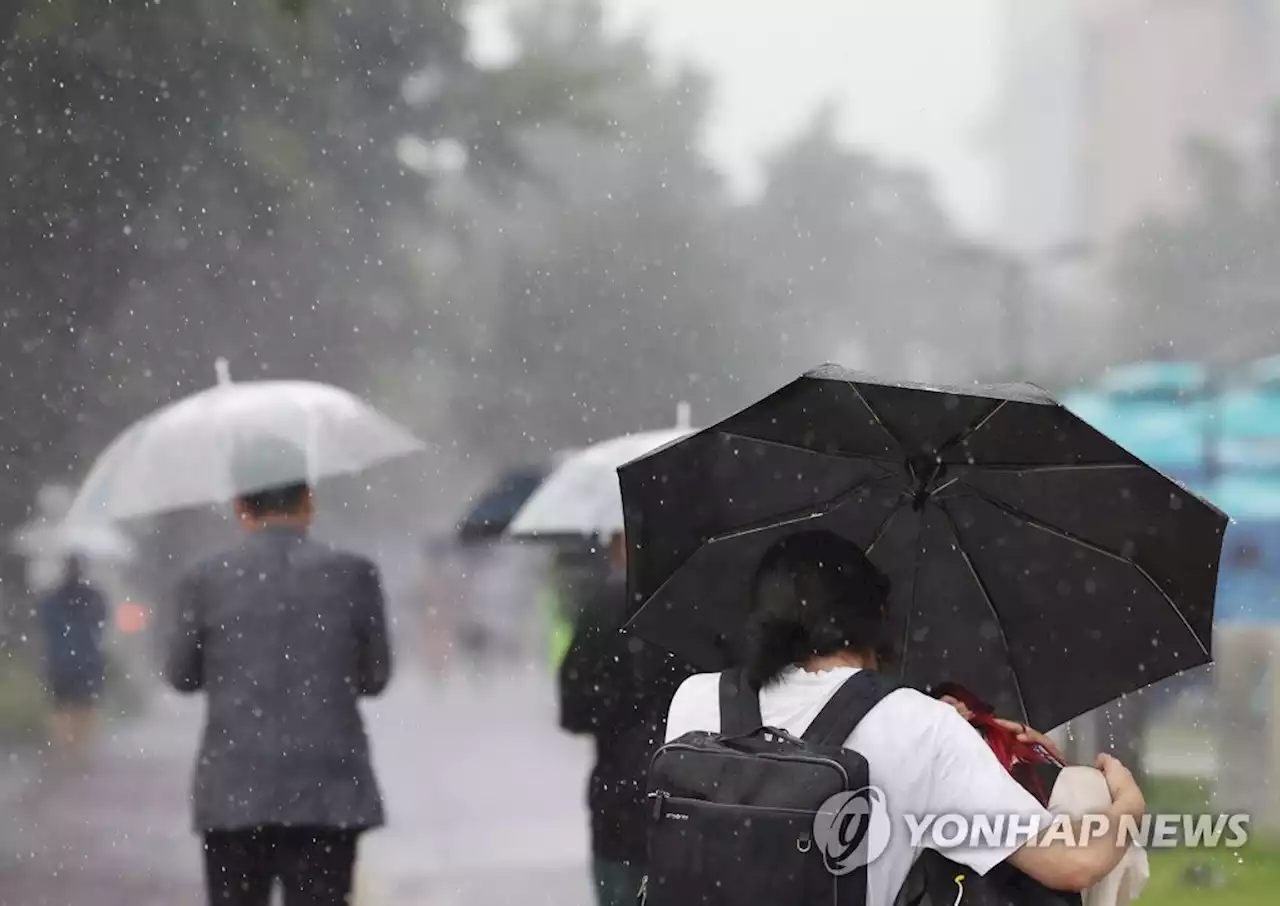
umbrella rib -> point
(897, 442)
(877, 460)
(884, 527)
(787, 518)
(1065, 535)
(973, 428)
(991, 605)
(775, 522)
(1061, 467)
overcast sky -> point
(917, 78)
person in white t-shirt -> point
(817, 618)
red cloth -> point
(1016, 756)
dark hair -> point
(270, 475)
(275, 501)
(814, 594)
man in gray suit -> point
(284, 635)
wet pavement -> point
(484, 799)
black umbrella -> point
(1033, 559)
(490, 515)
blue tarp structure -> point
(1158, 411)
(1223, 444)
(1249, 583)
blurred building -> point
(1153, 74)
(1098, 100)
(1036, 144)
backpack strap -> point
(739, 704)
(850, 703)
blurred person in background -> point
(494, 623)
(616, 689)
(574, 574)
(284, 635)
(73, 615)
(475, 633)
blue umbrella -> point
(493, 511)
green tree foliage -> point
(267, 181)
(614, 296)
(862, 263)
(188, 180)
(628, 278)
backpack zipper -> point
(659, 798)
(807, 759)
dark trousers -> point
(315, 866)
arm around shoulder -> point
(1077, 858)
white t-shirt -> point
(924, 757)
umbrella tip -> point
(683, 415)
(223, 369)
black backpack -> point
(733, 813)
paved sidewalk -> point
(484, 799)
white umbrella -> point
(95, 541)
(582, 498)
(182, 455)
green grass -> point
(24, 703)
(1249, 876)
(22, 699)
(1178, 795)
(1170, 736)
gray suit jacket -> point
(283, 635)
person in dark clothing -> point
(73, 616)
(617, 689)
(284, 635)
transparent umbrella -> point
(182, 455)
(95, 541)
(581, 498)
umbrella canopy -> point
(581, 497)
(188, 454)
(490, 515)
(1032, 559)
(99, 541)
